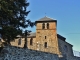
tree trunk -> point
(25, 45)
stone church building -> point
(46, 39)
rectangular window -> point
(45, 37)
(31, 41)
(45, 44)
(43, 26)
(19, 42)
(47, 25)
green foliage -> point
(13, 15)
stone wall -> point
(48, 36)
(66, 51)
(65, 48)
(74, 58)
(16, 41)
(52, 25)
(15, 53)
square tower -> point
(46, 35)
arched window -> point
(43, 26)
(19, 42)
(45, 44)
(31, 41)
(47, 25)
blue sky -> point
(67, 13)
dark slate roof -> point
(46, 19)
(61, 37)
(32, 35)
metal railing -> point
(76, 53)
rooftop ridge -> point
(46, 18)
(50, 18)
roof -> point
(46, 19)
(18, 36)
(32, 35)
(61, 37)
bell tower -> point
(46, 35)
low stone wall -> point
(15, 53)
(74, 58)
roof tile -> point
(46, 19)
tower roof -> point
(46, 19)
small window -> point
(47, 25)
(45, 44)
(65, 48)
(31, 41)
(45, 37)
(19, 42)
(43, 26)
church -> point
(46, 39)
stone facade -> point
(42, 36)
(47, 35)
(16, 42)
(46, 39)
(65, 49)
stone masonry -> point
(45, 39)
(16, 53)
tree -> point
(26, 34)
(13, 20)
